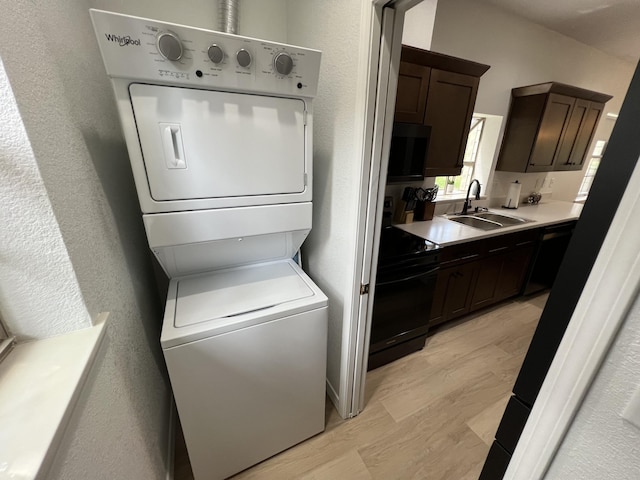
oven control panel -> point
(149, 50)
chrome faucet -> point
(467, 203)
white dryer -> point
(219, 133)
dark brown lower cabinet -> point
(479, 274)
(452, 296)
(513, 270)
(484, 293)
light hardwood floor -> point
(431, 415)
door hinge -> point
(364, 289)
(304, 117)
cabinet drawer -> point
(504, 243)
(461, 253)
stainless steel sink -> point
(487, 220)
(476, 222)
(503, 219)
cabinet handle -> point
(494, 250)
(528, 242)
(467, 257)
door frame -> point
(382, 22)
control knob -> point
(169, 46)
(243, 57)
(215, 53)
(283, 63)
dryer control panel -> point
(149, 50)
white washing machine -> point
(246, 349)
(219, 133)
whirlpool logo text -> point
(122, 41)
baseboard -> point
(171, 443)
(333, 396)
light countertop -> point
(444, 232)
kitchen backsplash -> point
(542, 183)
(531, 182)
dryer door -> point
(201, 144)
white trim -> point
(375, 73)
(393, 22)
(333, 396)
(367, 75)
(369, 201)
(42, 382)
(610, 290)
(171, 441)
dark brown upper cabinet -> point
(411, 99)
(550, 127)
(438, 91)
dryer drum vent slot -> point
(173, 146)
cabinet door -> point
(459, 290)
(484, 292)
(450, 103)
(570, 137)
(411, 99)
(554, 121)
(439, 296)
(514, 266)
(580, 146)
(452, 297)
(520, 133)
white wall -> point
(600, 443)
(265, 19)
(521, 53)
(119, 430)
(39, 293)
(333, 26)
(418, 24)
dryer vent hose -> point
(229, 16)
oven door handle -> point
(410, 277)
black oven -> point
(406, 279)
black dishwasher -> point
(552, 245)
(406, 279)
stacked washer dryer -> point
(218, 129)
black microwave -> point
(408, 154)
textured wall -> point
(331, 26)
(599, 443)
(39, 294)
(521, 53)
(51, 58)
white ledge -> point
(40, 382)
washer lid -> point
(230, 293)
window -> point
(458, 185)
(592, 168)
(6, 342)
